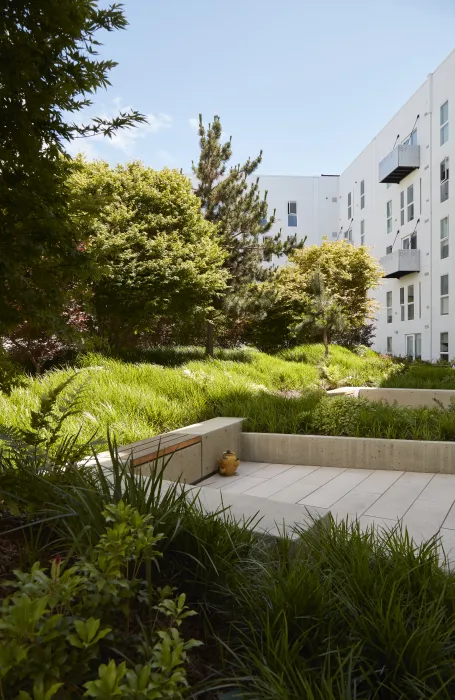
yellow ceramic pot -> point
(228, 463)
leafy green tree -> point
(328, 284)
(48, 70)
(324, 313)
(159, 258)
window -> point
(409, 242)
(362, 232)
(362, 194)
(410, 302)
(444, 347)
(389, 216)
(334, 200)
(444, 179)
(444, 123)
(418, 346)
(348, 235)
(444, 237)
(414, 346)
(350, 206)
(389, 345)
(410, 347)
(402, 302)
(402, 208)
(389, 307)
(411, 140)
(444, 295)
(334, 234)
(410, 198)
(388, 250)
(292, 213)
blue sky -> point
(308, 82)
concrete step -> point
(266, 514)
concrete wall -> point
(403, 397)
(217, 436)
(349, 453)
(198, 461)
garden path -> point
(423, 503)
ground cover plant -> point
(422, 375)
(347, 416)
(98, 625)
(334, 614)
(174, 387)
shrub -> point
(421, 375)
(345, 415)
(77, 628)
(340, 614)
(11, 374)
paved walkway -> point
(424, 503)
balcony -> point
(400, 262)
(399, 163)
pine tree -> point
(232, 201)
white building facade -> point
(396, 198)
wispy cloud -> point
(194, 123)
(124, 139)
(84, 146)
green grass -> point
(421, 375)
(274, 393)
(350, 417)
(139, 399)
(341, 614)
(336, 614)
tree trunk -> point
(209, 338)
(326, 342)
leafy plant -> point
(78, 627)
(43, 440)
(11, 374)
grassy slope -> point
(422, 376)
(136, 400)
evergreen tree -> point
(48, 70)
(233, 202)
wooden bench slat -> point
(166, 450)
(164, 439)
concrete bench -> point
(190, 453)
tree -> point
(340, 290)
(159, 259)
(232, 201)
(48, 70)
(324, 313)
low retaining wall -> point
(191, 452)
(403, 397)
(349, 453)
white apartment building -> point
(395, 198)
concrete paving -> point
(423, 503)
